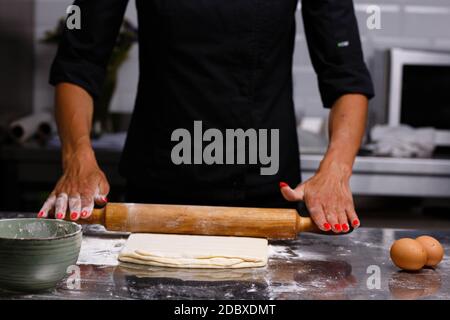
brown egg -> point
(408, 254)
(434, 249)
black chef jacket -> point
(227, 63)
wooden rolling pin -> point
(203, 220)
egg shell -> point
(408, 254)
(434, 249)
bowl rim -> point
(78, 230)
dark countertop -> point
(354, 266)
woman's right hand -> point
(82, 184)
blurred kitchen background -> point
(401, 178)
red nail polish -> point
(355, 223)
(283, 184)
(337, 227)
(59, 215)
(41, 214)
(74, 215)
(327, 226)
(84, 213)
(105, 199)
(345, 227)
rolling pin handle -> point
(305, 224)
(97, 217)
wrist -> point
(82, 153)
(338, 163)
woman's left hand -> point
(328, 197)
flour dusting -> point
(100, 251)
(279, 252)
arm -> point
(82, 181)
(74, 110)
(327, 194)
(347, 122)
(345, 86)
(78, 72)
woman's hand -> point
(327, 194)
(328, 197)
(81, 184)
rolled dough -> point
(189, 251)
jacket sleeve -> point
(83, 54)
(334, 46)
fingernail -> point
(337, 227)
(59, 215)
(283, 184)
(327, 226)
(74, 215)
(355, 223)
(345, 227)
(41, 214)
(105, 199)
(84, 213)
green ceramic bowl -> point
(35, 253)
